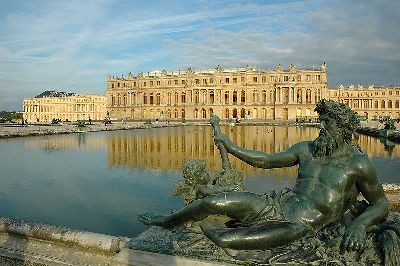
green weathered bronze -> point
(332, 172)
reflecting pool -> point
(101, 181)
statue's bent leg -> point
(268, 235)
(237, 205)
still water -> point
(101, 181)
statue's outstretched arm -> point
(256, 158)
(368, 184)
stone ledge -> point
(138, 258)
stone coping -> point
(83, 239)
(12, 131)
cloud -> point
(71, 45)
(355, 40)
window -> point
(298, 77)
(183, 97)
(264, 79)
(234, 80)
(226, 80)
(112, 86)
(158, 83)
(151, 83)
(197, 81)
(211, 80)
(242, 79)
(212, 97)
(285, 78)
(118, 85)
(318, 77)
(272, 78)
(204, 81)
(196, 97)
(176, 82)
(254, 79)
(169, 82)
(144, 84)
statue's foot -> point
(152, 219)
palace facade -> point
(249, 93)
(370, 102)
(65, 106)
(278, 94)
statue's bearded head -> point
(337, 124)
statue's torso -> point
(325, 188)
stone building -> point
(370, 102)
(64, 106)
(284, 94)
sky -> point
(72, 45)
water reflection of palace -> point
(170, 148)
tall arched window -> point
(158, 99)
(169, 98)
(243, 97)
(226, 113)
(234, 97)
(196, 96)
(183, 97)
(212, 100)
(299, 96)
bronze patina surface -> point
(319, 219)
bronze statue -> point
(332, 172)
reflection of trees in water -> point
(81, 139)
(61, 143)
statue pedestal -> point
(323, 248)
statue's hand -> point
(214, 120)
(354, 238)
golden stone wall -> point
(69, 108)
(284, 94)
(370, 102)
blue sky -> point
(72, 45)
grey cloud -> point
(358, 40)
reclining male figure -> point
(332, 172)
